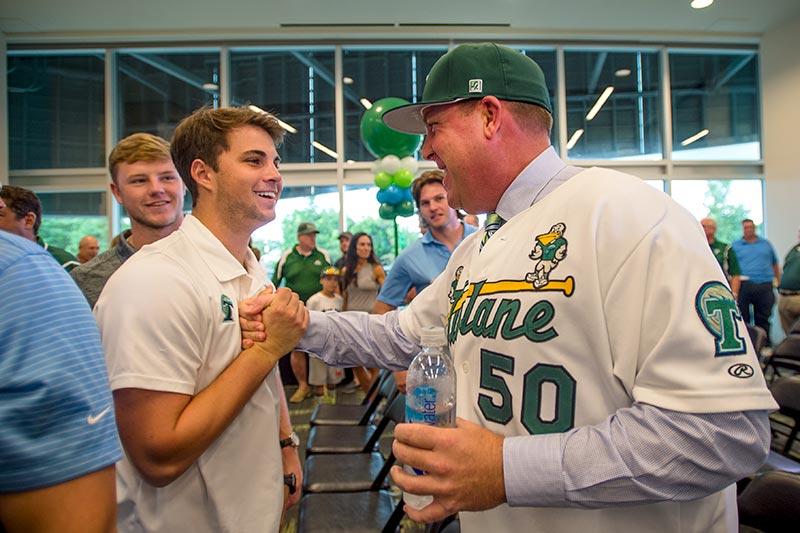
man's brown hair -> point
(137, 147)
(21, 202)
(426, 178)
(204, 135)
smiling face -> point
(247, 182)
(151, 192)
(364, 247)
(453, 141)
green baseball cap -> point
(473, 71)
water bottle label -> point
(421, 406)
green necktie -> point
(493, 223)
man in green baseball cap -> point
(598, 352)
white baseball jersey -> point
(602, 294)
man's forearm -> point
(165, 433)
(359, 339)
(640, 455)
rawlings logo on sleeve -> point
(720, 316)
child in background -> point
(320, 376)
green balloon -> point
(405, 208)
(403, 178)
(379, 138)
(387, 212)
(383, 180)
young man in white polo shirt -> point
(205, 428)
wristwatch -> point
(292, 440)
(290, 480)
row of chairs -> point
(770, 501)
(346, 476)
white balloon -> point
(410, 164)
(390, 164)
(375, 167)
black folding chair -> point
(352, 472)
(770, 502)
(344, 494)
(355, 415)
(785, 358)
(786, 392)
(347, 512)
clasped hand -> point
(275, 321)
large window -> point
(298, 86)
(372, 74)
(614, 97)
(55, 110)
(726, 201)
(69, 216)
(613, 100)
(159, 88)
(715, 103)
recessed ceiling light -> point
(700, 4)
(347, 80)
(574, 139)
(211, 87)
(322, 148)
(696, 137)
(623, 72)
(282, 124)
(599, 103)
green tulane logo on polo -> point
(718, 311)
(226, 305)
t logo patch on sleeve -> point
(227, 308)
(720, 316)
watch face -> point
(292, 440)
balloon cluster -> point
(395, 167)
(393, 176)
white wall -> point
(780, 97)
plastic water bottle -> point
(430, 394)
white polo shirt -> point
(169, 322)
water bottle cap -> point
(433, 336)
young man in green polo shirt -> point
(299, 268)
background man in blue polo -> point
(299, 268)
(759, 266)
(419, 264)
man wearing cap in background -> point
(622, 381)
(344, 243)
(299, 268)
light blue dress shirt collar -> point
(540, 177)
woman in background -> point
(362, 277)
